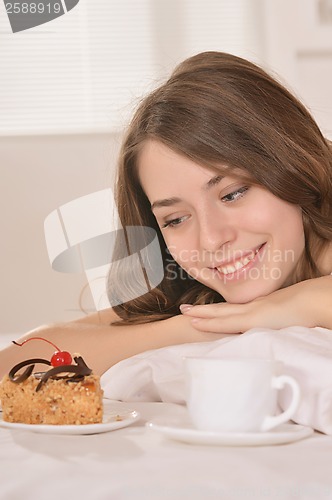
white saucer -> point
(114, 418)
(183, 430)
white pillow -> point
(158, 375)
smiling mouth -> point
(239, 263)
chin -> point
(249, 293)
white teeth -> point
(246, 260)
(239, 264)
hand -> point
(300, 304)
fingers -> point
(204, 311)
(219, 318)
(216, 325)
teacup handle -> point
(279, 383)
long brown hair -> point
(218, 109)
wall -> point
(298, 49)
(38, 174)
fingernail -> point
(185, 307)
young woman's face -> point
(237, 239)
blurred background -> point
(68, 88)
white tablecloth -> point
(136, 463)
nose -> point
(215, 232)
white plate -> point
(114, 418)
(185, 432)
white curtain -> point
(85, 71)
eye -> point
(235, 195)
(174, 222)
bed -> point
(139, 461)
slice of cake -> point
(65, 394)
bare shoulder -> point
(103, 317)
(325, 263)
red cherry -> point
(60, 358)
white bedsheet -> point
(136, 463)
(306, 353)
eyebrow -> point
(213, 182)
(168, 202)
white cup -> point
(237, 395)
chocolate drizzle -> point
(80, 370)
(26, 372)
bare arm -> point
(103, 317)
(308, 303)
(102, 345)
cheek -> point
(173, 249)
(182, 253)
(291, 228)
(296, 237)
(276, 216)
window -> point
(85, 71)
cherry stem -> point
(35, 338)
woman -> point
(235, 177)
